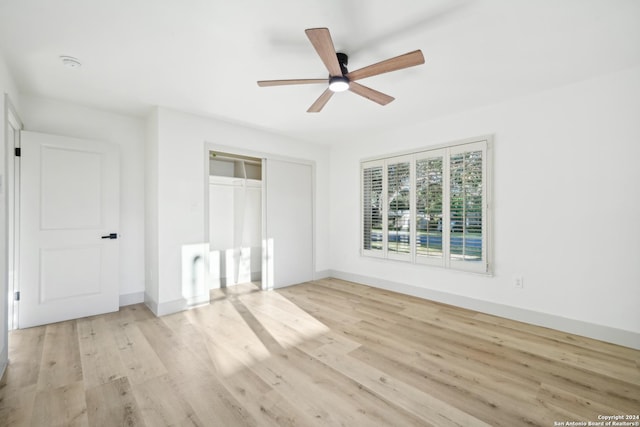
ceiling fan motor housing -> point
(340, 83)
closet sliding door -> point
(289, 223)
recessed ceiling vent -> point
(70, 61)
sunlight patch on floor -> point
(253, 324)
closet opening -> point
(235, 223)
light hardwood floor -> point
(322, 353)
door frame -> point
(210, 146)
(13, 124)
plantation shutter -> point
(466, 206)
(372, 208)
(429, 203)
(399, 208)
(429, 207)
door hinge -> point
(17, 151)
(16, 296)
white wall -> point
(566, 209)
(181, 187)
(151, 211)
(57, 117)
(7, 86)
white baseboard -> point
(4, 359)
(151, 304)
(577, 327)
(130, 299)
(324, 274)
(170, 307)
(222, 282)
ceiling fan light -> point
(338, 83)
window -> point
(429, 207)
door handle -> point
(111, 236)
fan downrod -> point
(343, 60)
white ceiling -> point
(205, 56)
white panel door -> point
(289, 219)
(69, 207)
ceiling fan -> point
(340, 79)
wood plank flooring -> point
(322, 353)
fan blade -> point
(369, 93)
(321, 101)
(321, 41)
(265, 83)
(398, 63)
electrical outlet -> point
(518, 282)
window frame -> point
(444, 151)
